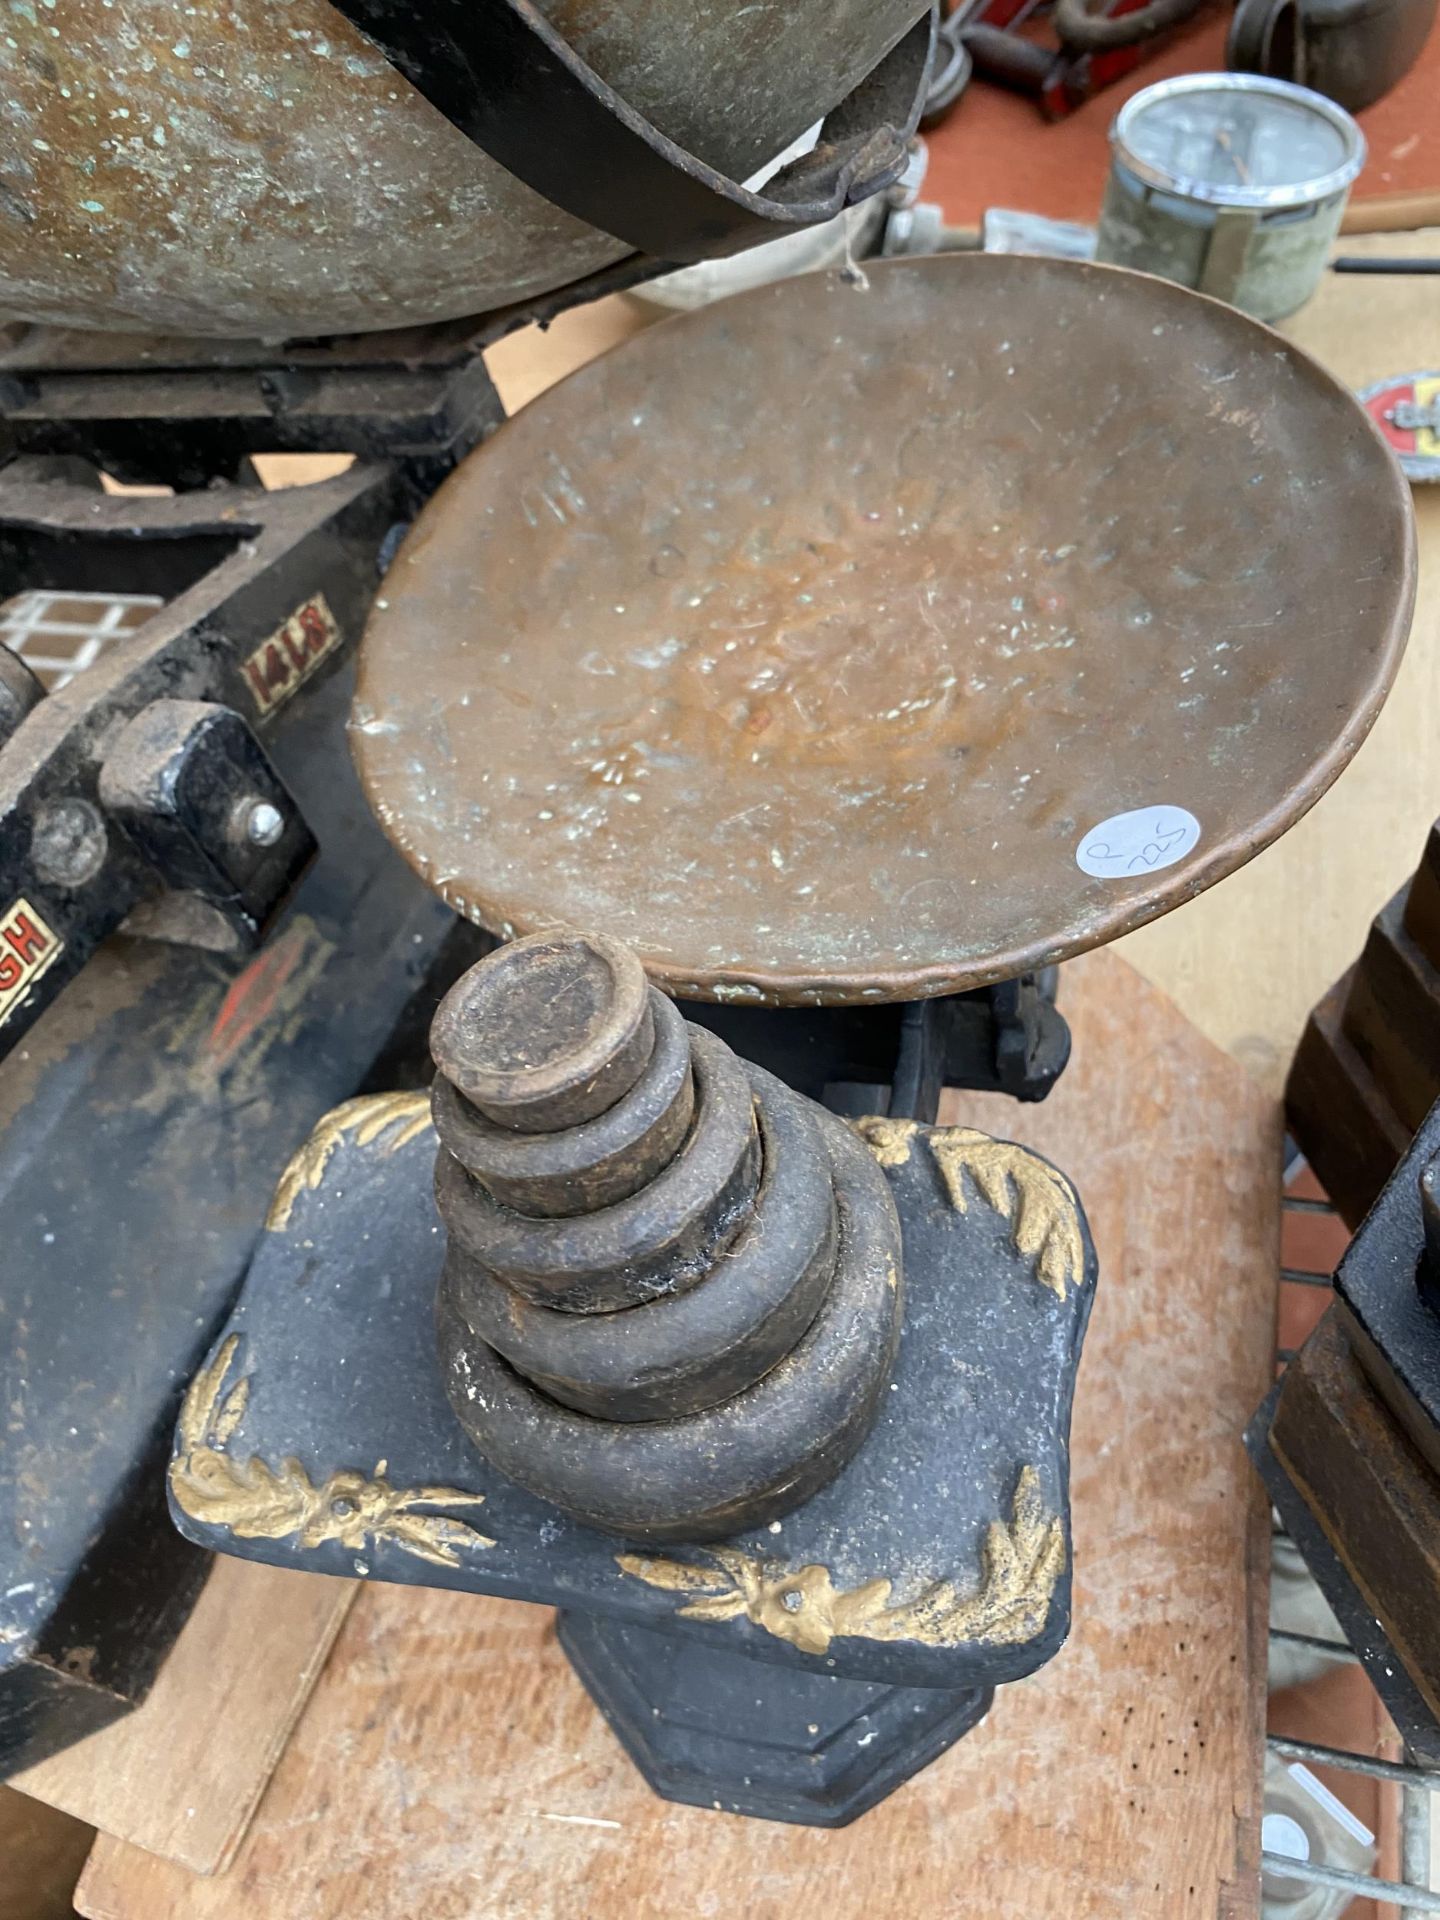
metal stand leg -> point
(714, 1729)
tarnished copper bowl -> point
(848, 641)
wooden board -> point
(1248, 960)
(41, 1854)
(182, 1775)
(527, 361)
(450, 1764)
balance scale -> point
(826, 664)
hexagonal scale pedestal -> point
(715, 1729)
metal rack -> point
(59, 634)
(1413, 1896)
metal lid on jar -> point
(1238, 140)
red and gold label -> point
(27, 947)
(281, 664)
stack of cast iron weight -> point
(672, 1295)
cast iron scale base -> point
(796, 1662)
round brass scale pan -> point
(802, 641)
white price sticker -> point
(1139, 842)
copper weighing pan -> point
(813, 643)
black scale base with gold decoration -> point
(781, 1419)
